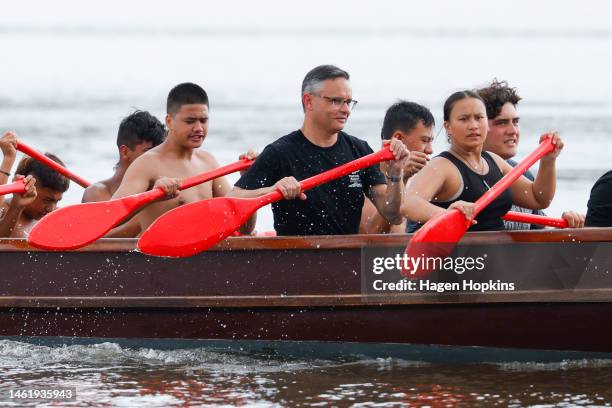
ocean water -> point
(69, 72)
(107, 374)
(68, 80)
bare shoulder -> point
(438, 165)
(207, 158)
(96, 192)
(435, 178)
(501, 163)
(150, 157)
(146, 165)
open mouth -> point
(510, 142)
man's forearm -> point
(9, 221)
(5, 167)
(393, 201)
(238, 192)
(545, 184)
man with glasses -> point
(319, 145)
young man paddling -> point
(320, 144)
(44, 189)
(503, 139)
(176, 158)
(8, 146)
(412, 124)
(138, 133)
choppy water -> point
(109, 375)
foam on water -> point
(25, 355)
(110, 374)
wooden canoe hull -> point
(286, 289)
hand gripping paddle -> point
(16, 187)
(77, 225)
(195, 227)
(449, 226)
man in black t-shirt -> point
(335, 207)
(599, 213)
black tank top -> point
(474, 186)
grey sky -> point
(548, 14)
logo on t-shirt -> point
(355, 180)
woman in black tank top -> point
(460, 176)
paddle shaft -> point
(16, 187)
(199, 179)
(535, 219)
(337, 172)
(545, 147)
(24, 148)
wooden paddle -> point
(77, 225)
(24, 148)
(449, 226)
(187, 230)
(536, 219)
(16, 187)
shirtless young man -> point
(138, 133)
(8, 147)
(44, 189)
(176, 158)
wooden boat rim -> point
(345, 241)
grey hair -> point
(313, 79)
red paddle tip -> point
(436, 238)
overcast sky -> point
(532, 14)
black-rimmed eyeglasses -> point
(338, 102)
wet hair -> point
(45, 176)
(405, 116)
(496, 95)
(456, 97)
(140, 127)
(313, 79)
(185, 94)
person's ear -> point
(307, 101)
(124, 153)
(169, 122)
(399, 135)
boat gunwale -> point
(341, 241)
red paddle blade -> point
(448, 226)
(436, 239)
(77, 225)
(196, 227)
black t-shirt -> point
(333, 208)
(599, 213)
